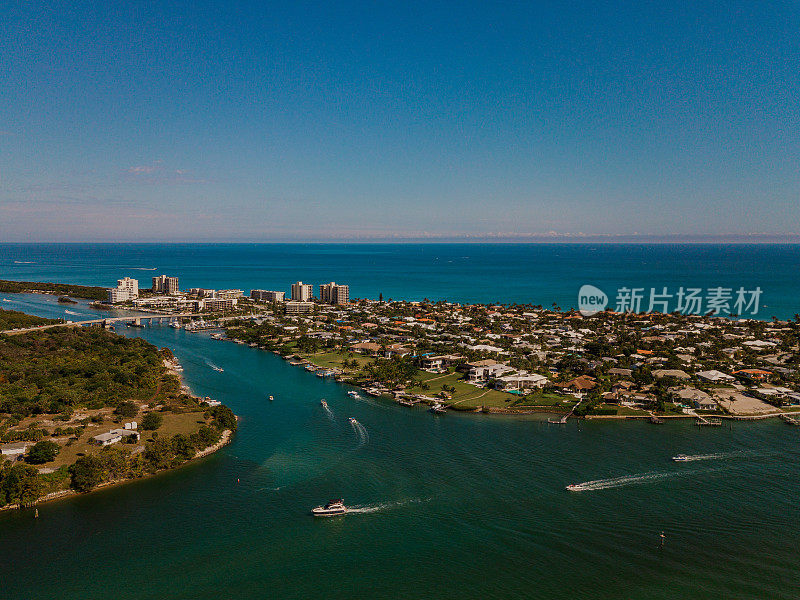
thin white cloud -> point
(157, 173)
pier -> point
(789, 420)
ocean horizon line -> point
(570, 241)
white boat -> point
(352, 394)
(271, 398)
(323, 404)
(680, 458)
(352, 421)
(333, 508)
(438, 409)
(575, 487)
(175, 325)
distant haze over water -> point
(462, 272)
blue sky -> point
(317, 121)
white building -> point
(267, 296)
(522, 381)
(302, 292)
(127, 289)
(229, 294)
(298, 308)
(715, 375)
(106, 439)
(484, 370)
(14, 449)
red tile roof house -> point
(754, 373)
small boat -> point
(323, 404)
(438, 409)
(575, 487)
(680, 458)
(271, 398)
(333, 508)
(175, 325)
(352, 394)
(352, 421)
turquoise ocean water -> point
(531, 273)
(458, 506)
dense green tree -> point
(86, 473)
(43, 452)
(223, 417)
(152, 421)
(127, 409)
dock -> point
(710, 422)
(790, 420)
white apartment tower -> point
(127, 289)
(302, 292)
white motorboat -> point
(333, 508)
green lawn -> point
(466, 396)
(328, 360)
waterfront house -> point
(482, 372)
(14, 449)
(368, 348)
(522, 381)
(581, 384)
(697, 398)
(438, 362)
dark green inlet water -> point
(459, 506)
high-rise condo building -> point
(334, 294)
(302, 292)
(165, 285)
(127, 289)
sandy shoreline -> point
(225, 439)
(173, 367)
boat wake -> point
(69, 312)
(712, 456)
(145, 268)
(24, 262)
(615, 482)
(215, 367)
(328, 411)
(361, 432)
(365, 509)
